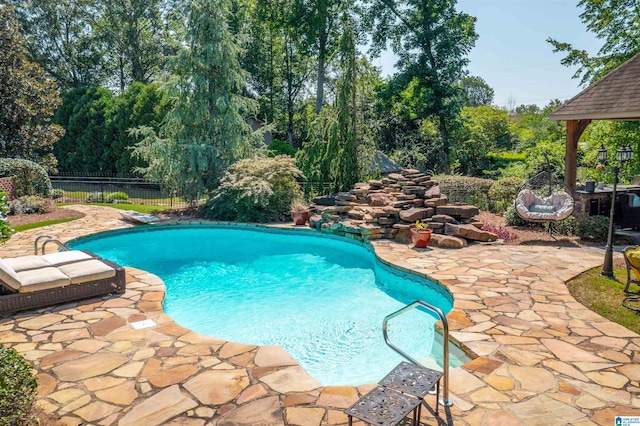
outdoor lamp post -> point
(622, 156)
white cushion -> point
(9, 276)
(87, 270)
(24, 263)
(61, 257)
(42, 279)
(562, 204)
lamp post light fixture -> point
(602, 155)
(623, 155)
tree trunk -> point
(445, 145)
(122, 84)
(321, 57)
(289, 74)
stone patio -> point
(543, 359)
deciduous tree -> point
(61, 39)
(28, 99)
(138, 34)
(477, 92)
(617, 24)
(432, 40)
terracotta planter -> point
(300, 218)
(420, 238)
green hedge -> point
(31, 178)
(463, 189)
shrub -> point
(463, 189)
(116, 197)
(503, 192)
(17, 389)
(95, 197)
(595, 228)
(278, 147)
(5, 227)
(30, 204)
(31, 178)
(564, 227)
(256, 190)
(502, 232)
(513, 219)
(57, 193)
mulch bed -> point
(56, 213)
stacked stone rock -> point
(387, 208)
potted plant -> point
(590, 183)
(299, 212)
(421, 234)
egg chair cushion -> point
(557, 206)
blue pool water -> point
(322, 299)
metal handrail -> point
(35, 243)
(57, 242)
(445, 401)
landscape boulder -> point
(447, 241)
(464, 211)
(469, 232)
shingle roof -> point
(384, 163)
(616, 96)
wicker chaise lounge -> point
(31, 282)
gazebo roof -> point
(616, 96)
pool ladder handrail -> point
(444, 401)
(49, 239)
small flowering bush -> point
(30, 204)
(502, 232)
(57, 193)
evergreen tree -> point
(28, 99)
(204, 132)
(331, 155)
(139, 105)
(85, 146)
(346, 163)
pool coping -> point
(552, 354)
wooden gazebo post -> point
(575, 128)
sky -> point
(511, 53)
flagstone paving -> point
(543, 359)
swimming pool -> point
(321, 298)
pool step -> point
(399, 393)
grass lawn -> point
(605, 295)
(140, 208)
(26, 226)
